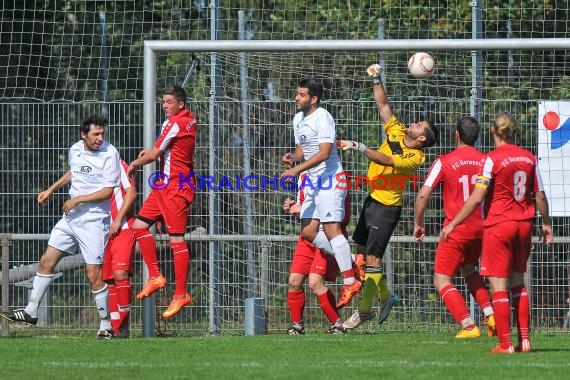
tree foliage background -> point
(51, 50)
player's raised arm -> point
(380, 97)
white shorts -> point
(325, 203)
(89, 231)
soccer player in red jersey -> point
(170, 199)
(457, 172)
(118, 262)
(507, 181)
(314, 264)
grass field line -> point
(257, 364)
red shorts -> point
(309, 259)
(452, 254)
(506, 248)
(119, 254)
(169, 205)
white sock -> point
(322, 242)
(341, 250)
(467, 322)
(101, 301)
(39, 286)
(105, 324)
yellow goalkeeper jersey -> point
(386, 184)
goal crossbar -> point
(359, 45)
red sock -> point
(327, 307)
(522, 306)
(113, 306)
(502, 311)
(147, 246)
(454, 303)
(181, 260)
(332, 298)
(478, 289)
(123, 300)
(296, 301)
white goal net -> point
(246, 128)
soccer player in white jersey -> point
(315, 136)
(94, 173)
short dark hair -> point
(178, 92)
(431, 133)
(314, 86)
(96, 119)
(468, 128)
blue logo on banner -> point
(558, 136)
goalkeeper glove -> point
(351, 145)
(375, 71)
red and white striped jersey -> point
(119, 195)
(177, 141)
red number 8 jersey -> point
(513, 178)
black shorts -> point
(376, 224)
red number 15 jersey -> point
(457, 173)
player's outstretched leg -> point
(147, 246)
(19, 315)
(455, 304)
(357, 318)
(178, 302)
(521, 307)
(387, 298)
(480, 292)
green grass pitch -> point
(312, 356)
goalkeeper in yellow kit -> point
(393, 164)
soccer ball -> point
(421, 65)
